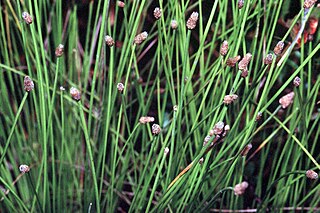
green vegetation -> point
(96, 154)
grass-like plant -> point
(159, 106)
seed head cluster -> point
(312, 174)
(218, 128)
(28, 84)
(228, 99)
(296, 81)
(27, 17)
(278, 48)
(286, 100)
(75, 93)
(224, 48)
(268, 59)
(140, 37)
(245, 61)
(121, 4)
(309, 3)
(192, 21)
(120, 87)
(240, 188)
(24, 168)
(156, 129)
(157, 13)
(259, 116)
(109, 40)
(231, 62)
(146, 119)
(59, 50)
(240, 3)
(174, 24)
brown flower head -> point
(28, 84)
(296, 81)
(224, 48)
(59, 50)
(231, 62)
(259, 116)
(312, 174)
(146, 119)
(157, 13)
(27, 17)
(240, 188)
(140, 37)
(245, 61)
(121, 4)
(309, 3)
(278, 48)
(286, 100)
(156, 129)
(174, 24)
(120, 87)
(268, 59)
(228, 99)
(218, 128)
(24, 168)
(109, 40)
(75, 93)
(192, 21)
(240, 3)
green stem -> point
(87, 139)
(13, 126)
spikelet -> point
(245, 61)
(240, 188)
(140, 37)
(27, 17)
(268, 59)
(157, 13)
(231, 62)
(24, 168)
(192, 21)
(224, 48)
(109, 40)
(146, 119)
(156, 129)
(59, 50)
(120, 87)
(286, 100)
(309, 3)
(312, 174)
(121, 4)
(28, 84)
(218, 128)
(278, 48)
(296, 81)
(174, 24)
(75, 93)
(228, 99)
(240, 3)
